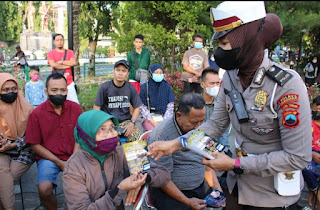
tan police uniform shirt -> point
(279, 141)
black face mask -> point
(227, 59)
(57, 99)
(315, 115)
(9, 98)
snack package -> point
(215, 199)
(202, 144)
(136, 155)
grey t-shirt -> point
(116, 100)
(197, 60)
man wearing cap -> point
(193, 62)
(272, 146)
(115, 96)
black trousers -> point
(162, 201)
(310, 81)
(189, 87)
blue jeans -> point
(47, 171)
(310, 174)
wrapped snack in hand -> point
(215, 199)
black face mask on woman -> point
(57, 99)
(315, 115)
(227, 59)
(9, 98)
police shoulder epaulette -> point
(279, 75)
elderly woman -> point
(97, 175)
(16, 156)
(157, 97)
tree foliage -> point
(296, 16)
(95, 20)
(10, 21)
(167, 26)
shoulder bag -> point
(12, 152)
(141, 74)
(61, 71)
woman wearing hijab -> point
(268, 107)
(14, 113)
(159, 94)
(97, 175)
(311, 71)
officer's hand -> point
(196, 203)
(316, 157)
(160, 148)
(221, 162)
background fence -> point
(101, 69)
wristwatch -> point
(237, 169)
(133, 121)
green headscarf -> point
(90, 122)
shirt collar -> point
(177, 126)
(209, 103)
(49, 107)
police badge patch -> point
(288, 98)
(260, 100)
(290, 119)
(290, 105)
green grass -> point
(86, 95)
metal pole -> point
(70, 25)
(70, 31)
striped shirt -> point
(187, 170)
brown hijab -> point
(13, 117)
(252, 52)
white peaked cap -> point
(231, 14)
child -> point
(310, 173)
(34, 89)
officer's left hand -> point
(221, 162)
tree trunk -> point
(76, 42)
(92, 50)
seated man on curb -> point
(186, 190)
(50, 132)
(115, 96)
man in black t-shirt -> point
(115, 96)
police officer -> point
(267, 106)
